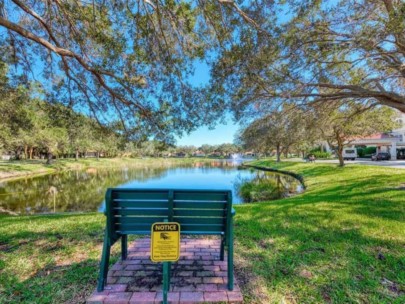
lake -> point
(80, 191)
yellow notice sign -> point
(165, 243)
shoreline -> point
(299, 177)
(14, 170)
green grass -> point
(49, 259)
(342, 241)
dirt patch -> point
(253, 286)
(306, 274)
(394, 288)
(266, 243)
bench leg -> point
(124, 247)
(230, 258)
(222, 252)
(105, 259)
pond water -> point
(84, 190)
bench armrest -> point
(233, 212)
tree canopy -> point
(133, 59)
(315, 51)
(124, 58)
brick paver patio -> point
(198, 277)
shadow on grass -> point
(49, 259)
(341, 241)
(52, 284)
(318, 256)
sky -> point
(222, 133)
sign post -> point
(165, 247)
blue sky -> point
(222, 133)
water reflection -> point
(84, 190)
(266, 186)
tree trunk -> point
(31, 151)
(49, 158)
(340, 151)
(77, 155)
(278, 153)
(98, 155)
(18, 153)
(25, 152)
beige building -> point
(393, 142)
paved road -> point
(400, 164)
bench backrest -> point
(133, 211)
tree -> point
(123, 58)
(207, 149)
(343, 123)
(278, 131)
(321, 51)
(226, 149)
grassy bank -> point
(17, 169)
(342, 241)
(49, 259)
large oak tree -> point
(121, 58)
(315, 51)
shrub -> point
(254, 191)
(320, 155)
(366, 152)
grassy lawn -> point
(51, 258)
(342, 241)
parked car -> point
(381, 156)
(349, 154)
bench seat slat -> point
(200, 196)
(199, 204)
(141, 211)
(143, 194)
(200, 212)
(200, 220)
(141, 204)
(141, 220)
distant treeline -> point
(33, 128)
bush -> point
(320, 155)
(366, 152)
(254, 191)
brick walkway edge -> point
(198, 277)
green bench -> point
(199, 212)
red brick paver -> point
(198, 277)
